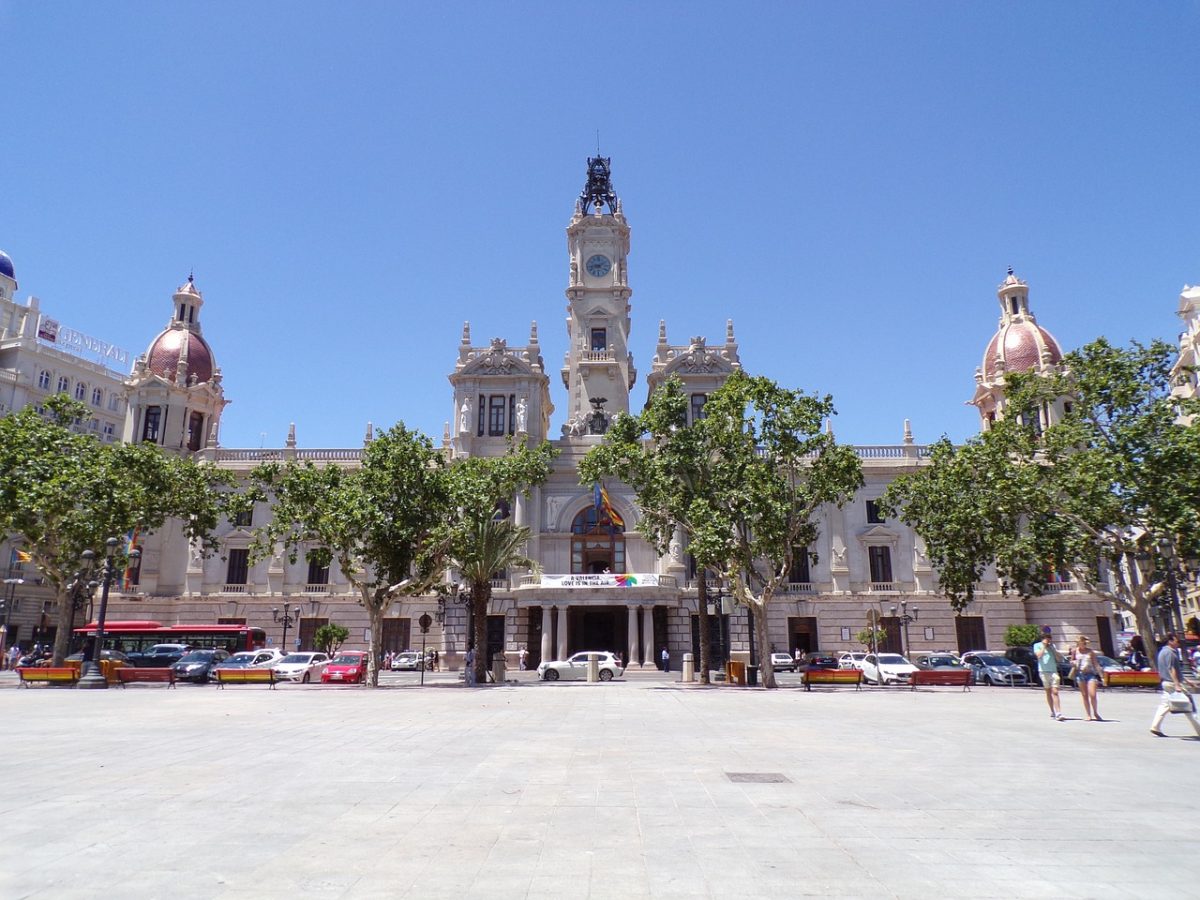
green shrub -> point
(1022, 635)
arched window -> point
(97, 397)
(64, 384)
(597, 545)
(80, 391)
(44, 379)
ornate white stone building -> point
(602, 586)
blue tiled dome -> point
(6, 266)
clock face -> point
(598, 265)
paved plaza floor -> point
(620, 790)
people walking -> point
(470, 664)
(1170, 671)
(1048, 659)
(1086, 670)
(523, 659)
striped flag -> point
(604, 506)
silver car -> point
(993, 668)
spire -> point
(466, 335)
(370, 435)
(662, 331)
(598, 191)
(533, 338)
(445, 435)
(908, 436)
(291, 438)
(729, 331)
(829, 427)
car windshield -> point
(297, 658)
(197, 656)
(239, 659)
(347, 659)
(994, 661)
(942, 661)
(893, 659)
(166, 648)
(1106, 660)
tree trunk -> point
(375, 610)
(1145, 625)
(481, 597)
(766, 670)
(62, 635)
(702, 607)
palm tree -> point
(488, 547)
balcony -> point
(1059, 587)
(882, 587)
(799, 587)
(601, 356)
(316, 589)
(234, 589)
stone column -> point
(633, 658)
(562, 631)
(547, 633)
(649, 654)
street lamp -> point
(905, 618)
(287, 619)
(11, 584)
(720, 602)
(1167, 549)
(93, 677)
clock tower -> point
(598, 371)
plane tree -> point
(746, 482)
(63, 492)
(1109, 494)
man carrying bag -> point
(1174, 700)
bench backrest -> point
(833, 675)
(245, 675)
(42, 673)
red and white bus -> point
(139, 635)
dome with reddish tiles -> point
(1020, 344)
(163, 356)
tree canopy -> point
(1109, 494)
(64, 492)
(745, 482)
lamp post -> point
(720, 604)
(93, 676)
(1167, 549)
(287, 618)
(11, 585)
(905, 618)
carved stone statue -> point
(839, 557)
(522, 413)
(676, 551)
(464, 417)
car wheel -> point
(551, 675)
(605, 675)
(304, 680)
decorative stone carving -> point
(522, 414)
(464, 417)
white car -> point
(302, 667)
(851, 660)
(264, 658)
(576, 668)
(890, 668)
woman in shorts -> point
(1087, 673)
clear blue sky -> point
(847, 181)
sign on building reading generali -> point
(80, 344)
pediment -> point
(878, 534)
(497, 361)
(699, 361)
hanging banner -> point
(605, 580)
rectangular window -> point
(482, 414)
(244, 519)
(317, 573)
(109, 432)
(151, 424)
(195, 430)
(239, 566)
(496, 405)
(881, 564)
(599, 339)
(512, 413)
(799, 573)
(698, 401)
(873, 514)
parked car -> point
(889, 668)
(300, 666)
(1027, 660)
(348, 667)
(159, 656)
(783, 662)
(990, 667)
(575, 668)
(250, 659)
(407, 661)
(815, 660)
(937, 660)
(197, 665)
(851, 659)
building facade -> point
(601, 586)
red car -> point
(349, 666)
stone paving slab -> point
(533, 790)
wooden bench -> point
(832, 676)
(245, 676)
(128, 674)
(953, 677)
(47, 675)
(1132, 679)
